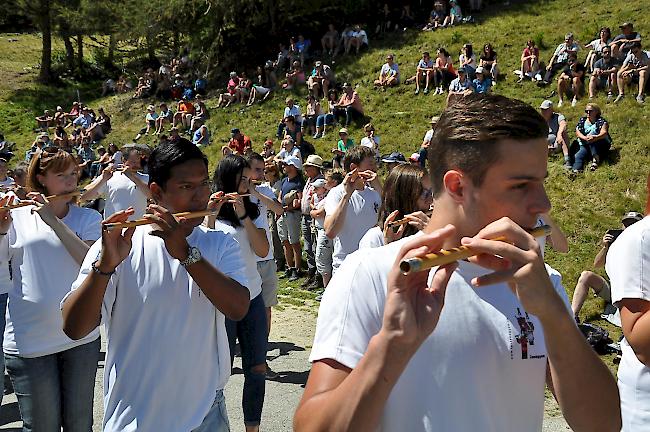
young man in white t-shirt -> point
(123, 187)
(163, 292)
(352, 207)
(403, 352)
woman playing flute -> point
(407, 194)
(236, 212)
(53, 376)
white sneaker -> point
(574, 102)
(640, 99)
(538, 77)
(559, 104)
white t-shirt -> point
(428, 136)
(5, 276)
(319, 203)
(471, 374)
(373, 238)
(628, 267)
(361, 214)
(121, 193)
(43, 271)
(372, 143)
(265, 190)
(248, 257)
(283, 154)
(167, 346)
(117, 157)
(8, 181)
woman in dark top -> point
(593, 135)
(489, 62)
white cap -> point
(293, 160)
(479, 70)
(546, 104)
(319, 183)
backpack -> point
(597, 337)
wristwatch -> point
(193, 257)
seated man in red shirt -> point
(239, 141)
(184, 113)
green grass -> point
(584, 207)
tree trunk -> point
(45, 75)
(69, 52)
(80, 52)
(271, 6)
(151, 49)
(112, 44)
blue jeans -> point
(253, 340)
(324, 120)
(590, 150)
(217, 418)
(56, 390)
(3, 321)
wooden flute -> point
(446, 256)
(143, 221)
(49, 198)
(404, 221)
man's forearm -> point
(334, 224)
(226, 294)
(92, 190)
(584, 387)
(358, 402)
(82, 309)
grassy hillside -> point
(584, 207)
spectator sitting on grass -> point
(60, 137)
(103, 120)
(488, 60)
(371, 140)
(150, 122)
(467, 60)
(313, 110)
(444, 71)
(560, 58)
(184, 112)
(238, 141)
(45, 121)
(201, 136)
(344, 144)
(295, 76)
(455, 15)
(289, 148)
(329, 39)
(482, 83)
(243, 89)
(326, 119)
(634, 70)
(60, 117)
(166, 116)
(604, 74)
(460, 86)
(321, 79)
(201, 113)
(558, 135)
(622, 44)
(600, 285)
(87, 156)
(530, 62)
(424, 148)
(270, 77)
(424, 70)
(389, 73)
(571, 80)
(597, 46)
(291, 109)
(358, 39)
(437, 17)
(225, 99)
(593, 135)
(349, 105)
(268, 151)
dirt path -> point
(292, 334)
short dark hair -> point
(169, 154)
(227, 176)
(469, 131)
(255, 156)
(356, 155)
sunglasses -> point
(426, 193)
(588, 111)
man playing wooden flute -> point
(468, 346)
(163, 291)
